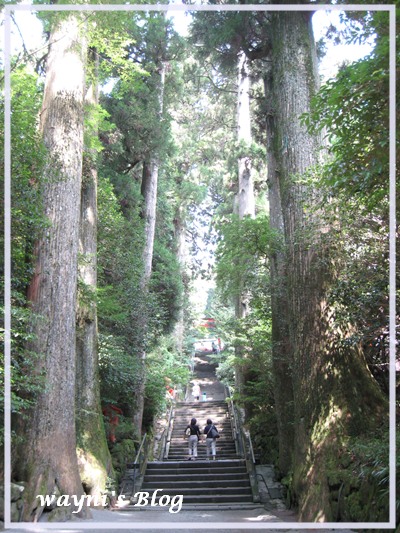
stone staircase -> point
(219, 414)
(200, 482)
(223, 482)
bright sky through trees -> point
(29, 29)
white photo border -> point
(8, 9)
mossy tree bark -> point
(48, 460)
(326, 392)
(93, 453)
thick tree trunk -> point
(245, 198)
(246, 201)
(182, 255)
(93, 454)
(48, 460)
(149, 193)
(333, 393)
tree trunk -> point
(245, 198)
(93, 453)
(182, 254)
(333, 393)
(246, 201)
(48, 460)
(149, 193)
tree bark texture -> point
(93, 453)
(245, 197)
(149, 193)
(246, 202)
(323, 389)
(48, 460)
(182, 255)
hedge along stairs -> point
(202, 483)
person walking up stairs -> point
(222, 481)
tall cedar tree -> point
(334, 395)
(93, 454)
(245, 197)
(47, 458)
(151, 167)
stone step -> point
(183, 483)
(221, 426)
(211, 405)
(206, 499)
(217, 420)
(201, 418)
(221, 506)
(205, 476)
(200, 458)
(227, 463)
(221, 445)
(203, 411)
(194, 468)
(221, 453)
(218, 490)
(179, 436)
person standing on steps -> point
(211, 441)
(196, 392)
(193, 433)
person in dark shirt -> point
(194, 436)
(210, 441)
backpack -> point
(187, 432)
(213, 433)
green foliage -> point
(243, 266)
(353, 108)
(166, 285)
(372, 459)
(27, 220)
(360, 482)
(118, 371)
(96, 120)
(27, 223)
(242, 253)
(135, 107)
(121, 301)
(360, 294)
(110, 34)
(254, 151)
(26, 376)
(165, 366)
(221, 35)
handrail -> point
(136, 463)
(251, 464)
(235, 425)
(251, 448)
(140, 449)
(244, 446)
(162, 440)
